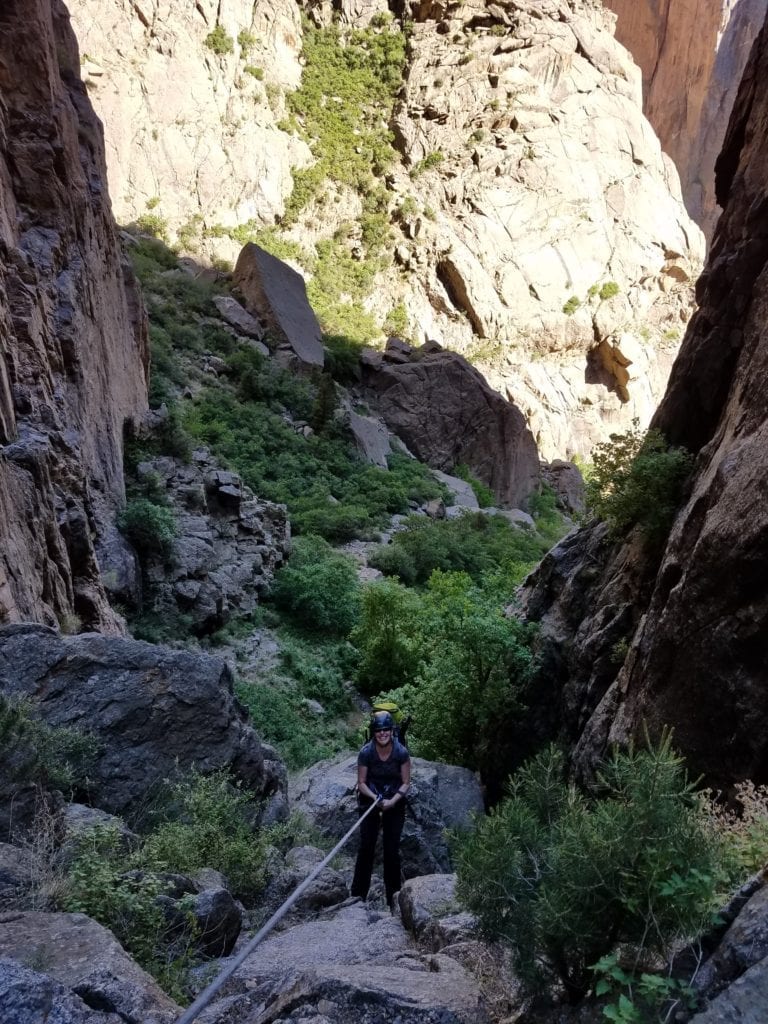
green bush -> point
(387, 636)
(476, 544)
(149, 527)
(608, 290)
(210, 828)
(318, 587)
(564, 879)
(33, 752)
(220, 41)
(475, 665)
(637, 480)
(571, 305)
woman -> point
(383, 770)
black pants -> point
(391, 822)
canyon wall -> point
(536, 226)
(640, 638)
(73, 338)
(692, 54)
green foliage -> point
(608, 290)
(476, 544)
(324, 405)
(388, 636)
(301, 737)
(246, 40)
(637, 479)
(397, 321)
(433, 159)
(348, 85)
(342, 357)
(98, 884)
(484, 495)
(564, 879)
(220, 41)
(325, 484)
(475, 665)
(33, 752)
(571, 305)
(149, 527)
(318, 587)
(209, 828)
(153, 224)
(254, 71)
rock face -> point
(228, 545)
(188, 126)
(694, 616)
(529, 183)
(87, 961)
(692, 55)
(446, 414)
(150, 707)
(354, 967)
(73, 340)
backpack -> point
(401, 720)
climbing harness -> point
(208, 993)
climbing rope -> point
(208, 993)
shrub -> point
(564, 878)
(571, 305)
(149, 527)
(484, 495)
(210, 828)
(219, 41)
(431, 160)
(254, 72)
(318, 587)
(387, 636)
(637, 479)
(476, 663)
(609, 289)
(246, 40)
(33, 752)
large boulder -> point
(154, 710)
(446, 414)
(87, 960)
(441, 797)
(275, 294)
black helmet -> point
(382, 720)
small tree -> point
(637, 479)
(319, 587)
(565, 879)
(149, 527)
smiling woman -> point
(383, 774)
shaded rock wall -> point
(692, 55)
(697, 660)
(73, 341)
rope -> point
(208, 993)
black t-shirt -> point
(383, 776)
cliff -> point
(692, 55)
(692, 619)
(536, 226)
(72, 331)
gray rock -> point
(744, 944)
(231, 311)
(371, 437)
(277, 295)
(28, 997)
(16, 871)
(566, 481)
(743, 1002)
(85, 958)
(431, 913)
(362, 965)
(218, 921)
(79, 819)
(446, 414)
(156, 710)
(461, 491)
